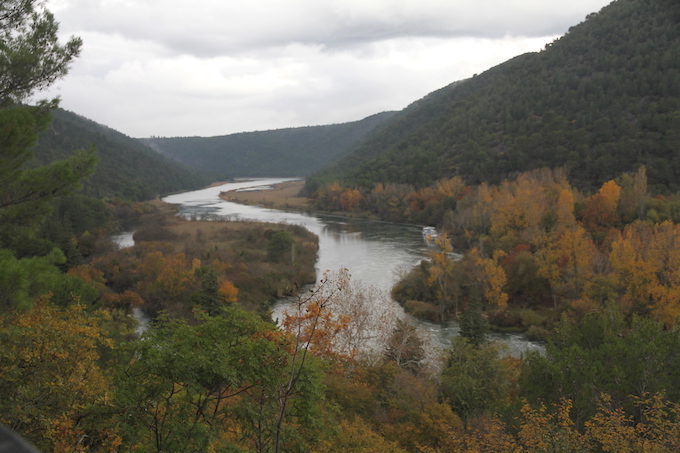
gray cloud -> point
(211, 67)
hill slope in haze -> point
(126, 167)
(281, 152)
(602, 100)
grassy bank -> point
(280, 196)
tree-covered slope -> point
(601, 100)
(282, 152)
(125, 168)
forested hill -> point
(282, 152)
(126, 167)
(602, 100)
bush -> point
(505, 319)
(423, 310)
(279, 246)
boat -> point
(429, 233)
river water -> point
(374, 252)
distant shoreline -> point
(281, 196)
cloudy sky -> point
(215, 67)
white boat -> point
(429, 233)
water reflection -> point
(123, 240)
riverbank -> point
(283, 196)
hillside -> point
(601, 100)
(282, 152)
(126, 167)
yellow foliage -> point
(50, 373)
(357, 437)
(565, 209)
(492, 277)
(546, 431)
(646, 264)
(612, 431)
(229, 291)
(610, 193)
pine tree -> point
(31, 59)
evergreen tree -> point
(31, 58)
(473, 325)
(208, 297)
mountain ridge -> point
(126, 168)
(279, 152)
(599, 101)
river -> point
(374, 252)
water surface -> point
(374, 252)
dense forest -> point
(591, 267)
(283, 152)
(125, 167)
(600, 101)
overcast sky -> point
(216, 67)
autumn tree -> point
(565, 261)
(52, 388)
(491, 278)
(600, 212)
(350, 199)
(166, 282)
(354, 435)
(645, 260)
(441, 273)
(342, 318)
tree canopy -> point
(31, 58)
(601, 100)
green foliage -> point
(26, 193)
(23, 281)
(280, 246)
(208, 298)
(600, 101)
(604, 353)
(126, 168)
(31, 58)
(187, 385)
(413, 285)
(475, 379)
(473, 325)
(283, 152)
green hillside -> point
(601, 100)
(126, 167)
(282, 152)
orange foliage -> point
(492, 276)
(312, 324)
(599, 214)
(122, 301)
(350, 199)
(171, 274)
(229, 291)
